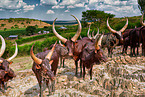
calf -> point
(92, 55)
(45, 66)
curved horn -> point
(96, 34)
(1, 61)
(88, 32)
(57, 35)
(51, 51)
(60, 43)
(113, 31)
(142, 23)
(75, 37)
(98, 42)
(3, 46)
(15, 54)
(123, 29)
(36, 60)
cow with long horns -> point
(112, 40)
(91, 55)
(4, 64)
(142, 36)
(45, 66)
(74, 47)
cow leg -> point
(134, 51)
(53, 86)
(39, 79)
(63, 60)
(3, 86)
(76, 63)
(60, 60)
(49, 85)
(108, 52)
(131, 51)
(80, 68)
(84, 72)
(91, 73)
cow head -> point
(99, 55)
(4, 63)
(44, 65)
(118, 33)
(69, 43)
(143, 24)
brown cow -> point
(6, 72)
(71, 44)
(45, 66)
(91, 55)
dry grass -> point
(22, 24)
(21, 63)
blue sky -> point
(62, 9)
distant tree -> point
(10, 20)
(95, 16)
(5, 29)
(30, 30)
(36, 26)
(16, 26)
(12, 27)
(2, 25)
(141, 5)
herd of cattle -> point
(87, 50)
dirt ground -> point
(120, 76)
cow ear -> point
(50, 62)
(76, 43)
(38, 67)
(63, 45)
(10, 62)
(96, 51)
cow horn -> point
(98, 42)
(75, 37)
(96, 34)
(142, 23)
(88, 33)
(1, 61)
(3, 46)
(113, 31)
(36, 60)
(51, 51)
(60, 43)
(15, 54)
(57, 35)
(123, 29)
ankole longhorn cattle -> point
(142, 36)
(90, 56)
(74, 46)
(62, 52)
(8, 73)
(45, 66)
(111, 40)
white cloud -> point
(12, 4)
(36, 4)
(48, 2)
(57, 6)
(28, 7)
(50, 12)
(66, 11)
(70, 6)
(79, 5)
